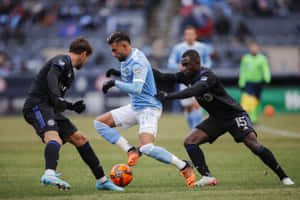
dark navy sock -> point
(87, 154)
(268, 158)
(198, 159)
(52, 154)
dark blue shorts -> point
(43, 118)
(238, 126)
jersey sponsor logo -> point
(208, 97)
(61, 63)
(203, 78)
(51, 122)
(137, 71)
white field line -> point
(275, 131)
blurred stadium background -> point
(32, 31)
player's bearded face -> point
(118, 51)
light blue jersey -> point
(203, 49)
(138, 81)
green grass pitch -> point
(241, 175)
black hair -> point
(118, 37)
(193, 55)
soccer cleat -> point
(287, 181)
(108, 185)
(133, 156)
(206, 181)
(54, 180)
(189, 175)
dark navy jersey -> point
(53, 80)
(208, 91)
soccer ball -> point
(269, 110)
(121, 175)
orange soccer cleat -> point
(133, 156)
(189, 175)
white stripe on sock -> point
(124, 144)
(180, 164)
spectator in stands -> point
(5, 65)
(14, 21)
(264, 7)
(243, 32)
(222, 23)
(254, 73)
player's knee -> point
(252, 143)
(78, 139)
(187, 141)
(189, 108)
(100, 118)
(106, 118)
(195, 137)
(52, 136)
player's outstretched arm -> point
(169, 79)
(112, 71)
(195, 90)
(135, 87)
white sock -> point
(180, 164)
(50, 172)
(124, 144)
(102, 179)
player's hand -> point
(161, 95)
(61, 104)
(78, 106)
(112, 71)
(107, 85)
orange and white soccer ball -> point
(121, 175)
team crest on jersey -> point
(51, 122)
(137, 71)
(203, 78)
(61, 63)
(208, 97)
(69, 75)
(126, 71)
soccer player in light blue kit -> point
(145, 109)
(192, 110)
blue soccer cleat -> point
(54, 180)
(108, 185)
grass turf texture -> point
(241, 175)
